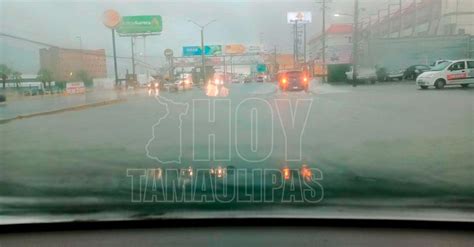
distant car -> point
(459, 72)
(293, 80)
(260, 79)
(412, 72)
(363, 74)
(247, 80)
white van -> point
(459, 72)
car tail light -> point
(286, 173)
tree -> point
(45, 76)
(83, 76)
(17, 78)
(5, 72)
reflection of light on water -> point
(213, 90)
(306, 173)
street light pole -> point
(203, 69)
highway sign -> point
(209, 50)
(140, 24)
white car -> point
(363, 74)
(458, 72)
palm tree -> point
(45, 76)
(17, 78)
(5, 72)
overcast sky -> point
(246, 22)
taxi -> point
(458, 72)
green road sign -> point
(261, 68)
(140, 24)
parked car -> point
(459, 72)
(412, 72)
(3, 99)
(438, 62)
(363, 74)
(260, 78)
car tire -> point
(439, 84)
(465, 85)
(424, 87)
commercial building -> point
(338, 50)
(65, 63)
(422, 18)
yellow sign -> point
(234, 49)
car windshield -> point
(440, 66)
(244, 108)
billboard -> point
(140, 24)
(234, 49)
(209, 50)
(302, 17)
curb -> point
(72, 108)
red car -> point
(290, 80)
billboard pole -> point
(115, 57)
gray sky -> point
(246, 22)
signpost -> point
(75, 88)
(140, 24)
(299, 20)
(209, 50)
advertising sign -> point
(140, 24)
(302, 17)
(254, 48)
(209, 50)
(75, 88)
(234, 49)
(168, 53)
(111, 18)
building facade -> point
(422, 18)
(66, 63)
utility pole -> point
(203, 65)
(133, 56)
(275, 71)
(415, 22)
(323, 37)
(355, 43)
(400, 20)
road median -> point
(66, 109)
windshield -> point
(126, 109)
(440, 66)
